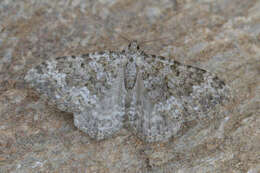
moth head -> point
(133, 46)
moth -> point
(150, 95)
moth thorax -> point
(130, 75)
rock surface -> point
(222, 37)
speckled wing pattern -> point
(168, 93)
(89, 86)
(150, 95)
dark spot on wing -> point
(177, 63)
(61, 58)
(39, 69)
(101, 53)
(189, 67)
(85, 55)
(174, 68)
(131, 59)
(218, 83)
(161, 57)
(130, 44)
(82, 65)
(44, 64)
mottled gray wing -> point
(89, 86)
(168, 93)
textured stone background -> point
(220, 36)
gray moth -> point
(150, 95)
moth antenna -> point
(147, 41)
(120, 34)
